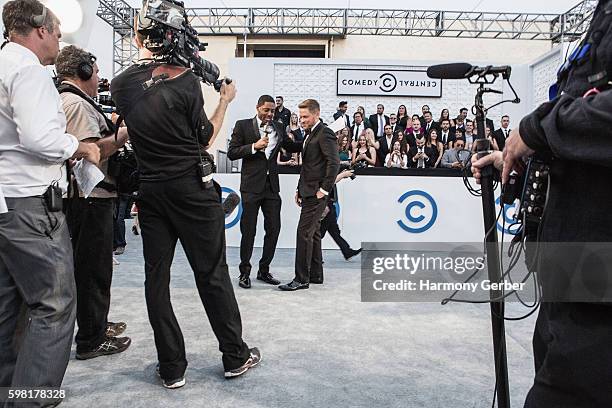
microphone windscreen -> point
(230, 203)
(449, 71)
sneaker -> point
(119, 250)
(253, 360)
(115, 329)
(171, 384)
(112, 345)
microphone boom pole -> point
(493, 267)
(487, 75)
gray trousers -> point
(36, 270)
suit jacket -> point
(500, 138)
(320, 162)
(434, 125)
(397, 128)
(374, 122)
(428, 150)
(255, 166)
(450, 137)
(347, 118)
(384, 148)
(361, 128)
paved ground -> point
(321, 347)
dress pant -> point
(308, 255)
(183, 209)
(270, 204)
(330, 223)
(572, 346)
(36, 268)
(90, 221)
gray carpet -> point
(321, 347)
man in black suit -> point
(421, 156)
(379, 120)
(358, 126)
(395, 126)
(386, 144)
(257, 141)
(342, 108)
(446, 135)
(502, 133)
(320, 165)
(429, 123)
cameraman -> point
(169, 130)
(36, 265)
(572, 341)
(90, 219)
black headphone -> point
(38, 21)
(85, 69)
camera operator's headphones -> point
(38, 21)
(85, 70)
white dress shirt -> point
(272, 139)
(33, 139)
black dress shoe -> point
(244, 281)
(316, 278)
(268, 278)
(293, 285)
(352, 253)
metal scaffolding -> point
(120, 15)
(343, 22)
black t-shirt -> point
(166, 122)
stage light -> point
(69, 13)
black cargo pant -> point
(572, 346)
(182, 209)
(90, 221)
(36, 268)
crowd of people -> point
(398, 140)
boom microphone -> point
(449, 71)
(463, 70)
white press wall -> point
(298, 79)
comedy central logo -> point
(233, 218)
(388, 81)
(421, 211)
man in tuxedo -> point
(257, 141)
(470, 134)
(320, 165)
(429, 123)
(502, 133)
(446, 135)
(379, 120)
(358, 126)
(386, 144)
(342, 108)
